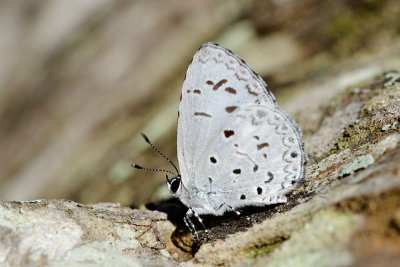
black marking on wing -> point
(255, 168)
(219, 84)
(231, 109)
(229, 133)
(202, 114)
(262, 145)
(259, 190)
(270, 177)
(230, 90)
(240, 78)
(249, 90)
(243, 64)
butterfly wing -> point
(235, 146)
(217, 83)
(255, 159)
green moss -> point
(352, 135)
(261, 250)
(373, 118)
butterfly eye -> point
(175, 183)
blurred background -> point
(81, 79)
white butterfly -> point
(236, 147)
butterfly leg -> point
(189, 224)
(191, 213)
(201, 222)
(232, 209)
(229, 208)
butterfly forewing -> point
(217, 83)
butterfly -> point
(235, 146)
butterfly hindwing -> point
(255, 159)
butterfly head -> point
(174, 184)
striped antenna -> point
(151, 169)
(158, 151)
(162, 154)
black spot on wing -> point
(202, 114)
(259, 190)
(213, 160)
(237, 171)
(229, 133)
(255, 168)
(231, 109)
(197, 91)
(219, 84)
(230, 90)
(262, 145)
(242, 197)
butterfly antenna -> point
(151, 169)
(159, 152)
